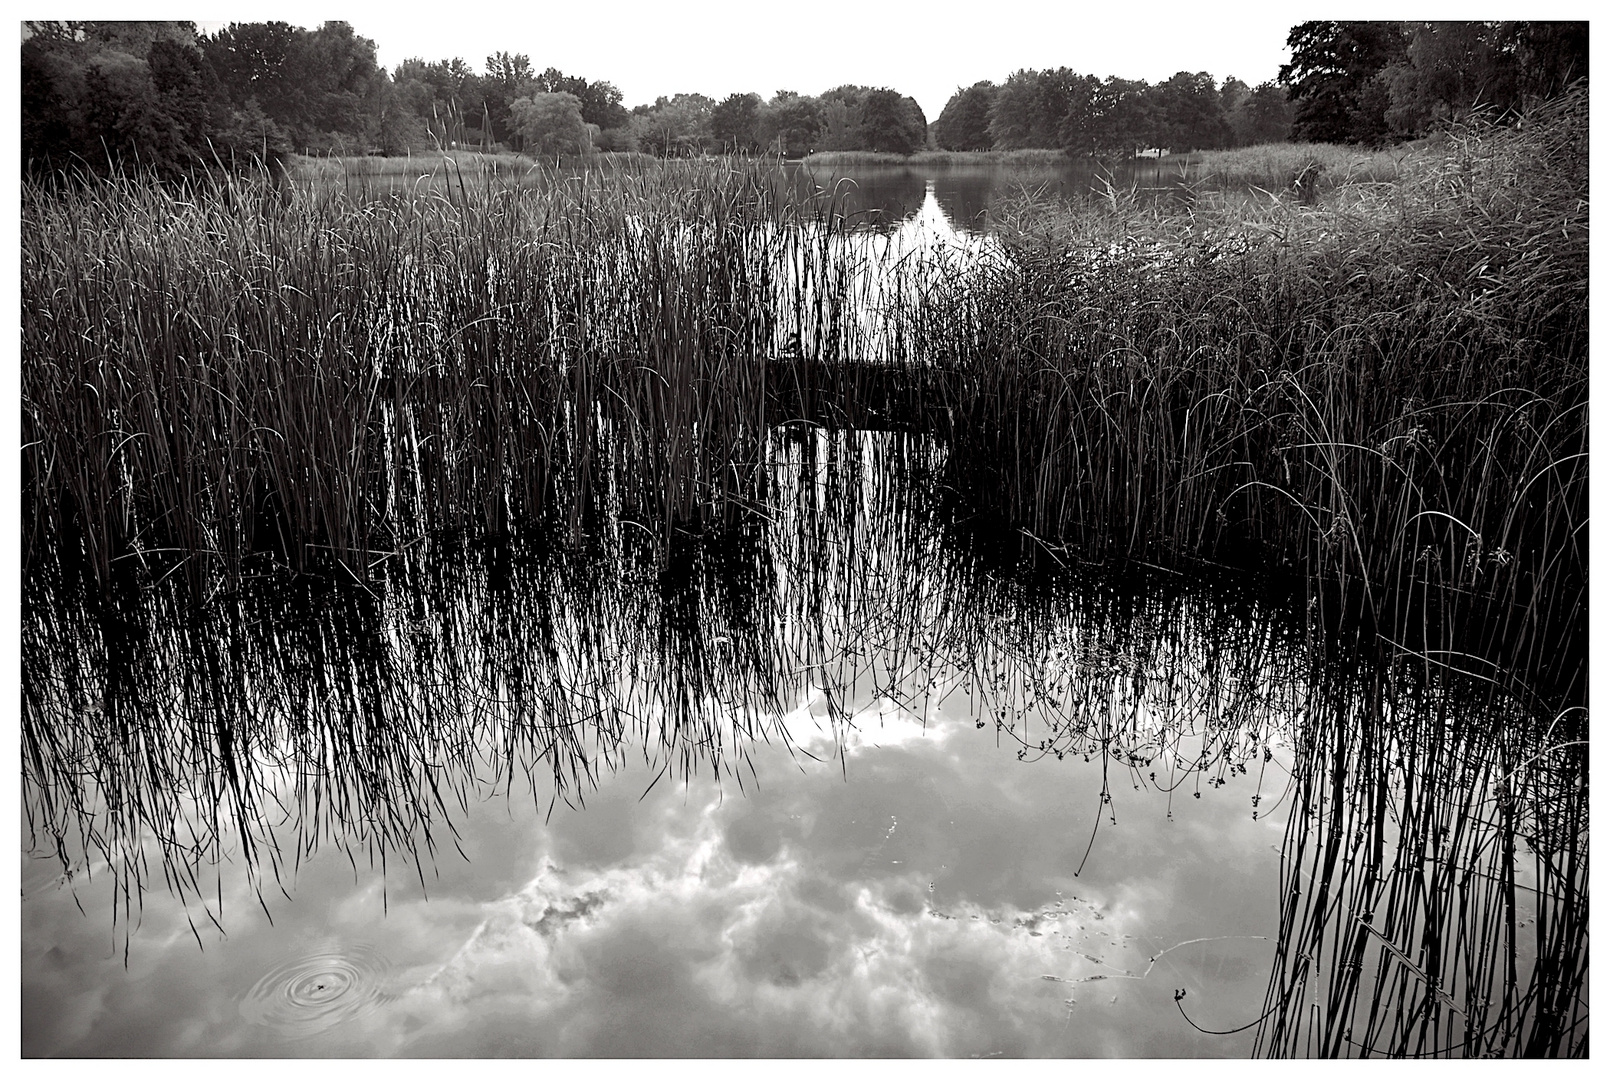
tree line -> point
(1086, 116)
(159, 96)
(1380, 82)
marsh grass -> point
(339, 167)
(214, 373)
(1305, 169)
(1434, 885)
(439, 166)
(527, 443)
(1382, 390)
(1385, 392)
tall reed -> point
(1434, 884)
(1386, 393)
(210, 373)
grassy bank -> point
(469, 163)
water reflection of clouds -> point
(789, 924)
(925, 906)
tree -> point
(1014, 115)
(49, 135)
(792, 123)
(447, 97)
(675, 126)
(106, 97)
(508, 76)
(399, 127)
(963, 124)
(1550, 55)
(262, 63)
(600, 101)
(1260, 115)
(1366, 82)
(122, 110)
(344, 96)
(1332, 77)
(735, 123)
(320, 87)
(1453, 68)
(843, 110)
(892, 123)
(510, 69)
(1125, 117)
(189, 92)
(1078, 132)
(1044, 109)
(549, 124)
(1189, 113)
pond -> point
(842, 762)
(890, 193)
(877, 195)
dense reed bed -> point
(1306, 169)
(341, 167)
(439, 165)
(1385, 392)
(211, 373)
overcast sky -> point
(925, 49)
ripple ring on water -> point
(305, 996)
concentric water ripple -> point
(310, 994)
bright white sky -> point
(927, 50)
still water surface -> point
(883, 194)
(919, 897)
